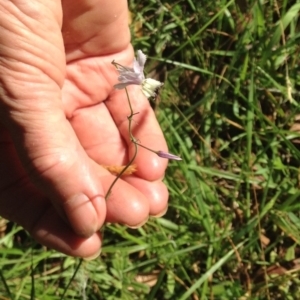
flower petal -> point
(150, 86)
(141, 59)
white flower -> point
(135, 75)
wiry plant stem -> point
(132, 138)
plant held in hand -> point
(135, 75)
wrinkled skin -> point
(61, 120)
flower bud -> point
(168, 155)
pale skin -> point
(61, 121)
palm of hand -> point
(89, 126)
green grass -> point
(229, 107)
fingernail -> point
(81, 215)
(138, 225)
(161, 213)
(94, 256)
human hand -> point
(61, 120)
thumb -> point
(32, 66)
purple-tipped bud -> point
(168, 155)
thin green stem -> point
(133, 139)
(72, 278)
(149, 149)
(122, 172)
(5, 285)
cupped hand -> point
(62, 121)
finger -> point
(31, 109)
(155, 191)
(99, 135)
(52, 232)
(37, 215)
(125, 204)
(93, 28)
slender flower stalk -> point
(135, 150)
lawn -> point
(230, 108)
